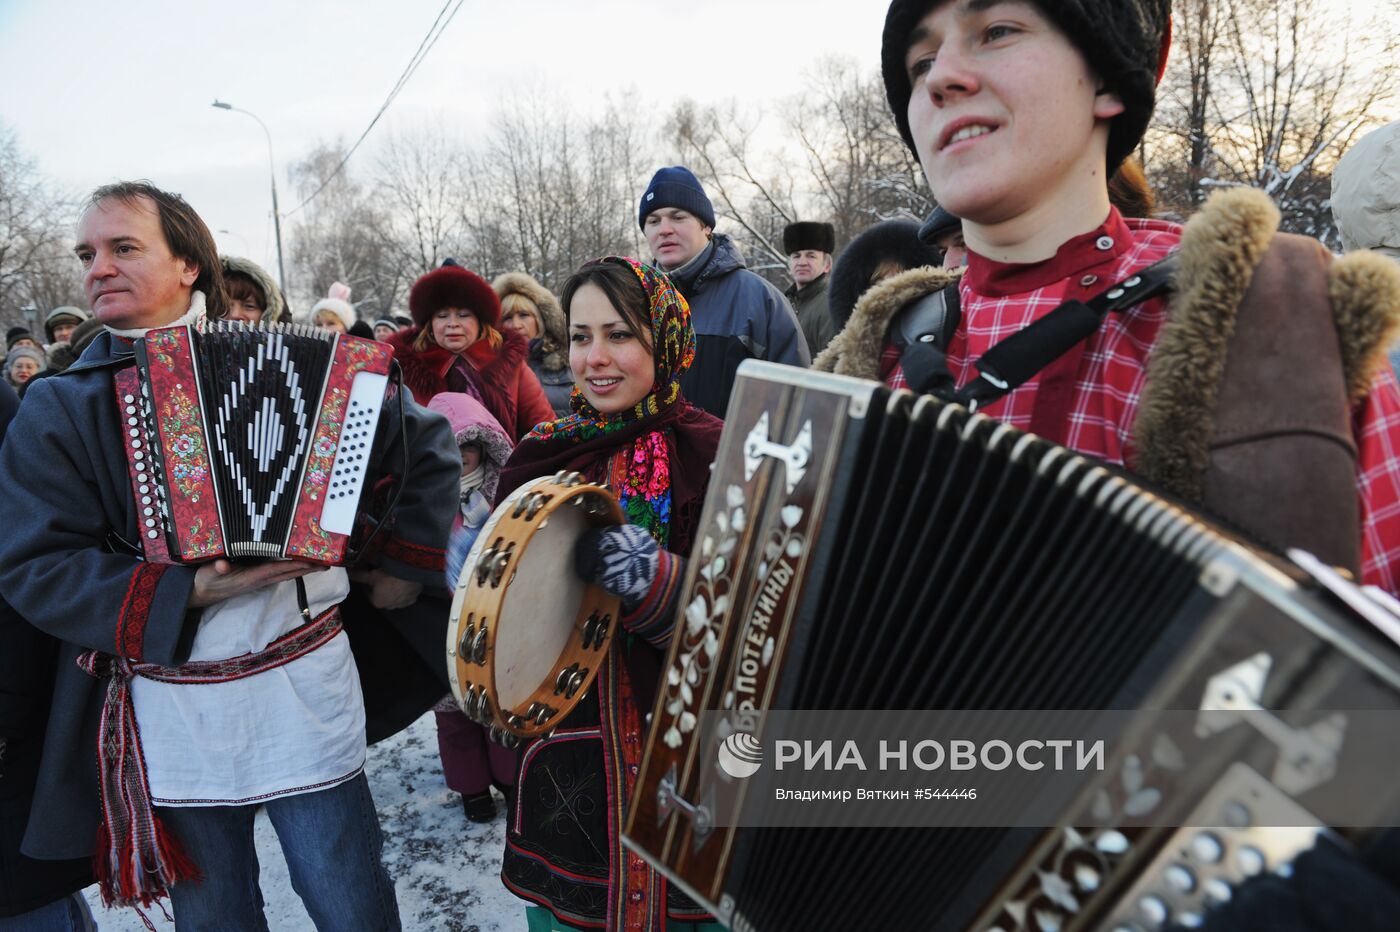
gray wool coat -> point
(63, 568)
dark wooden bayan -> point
(869, 550)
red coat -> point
(509, 390)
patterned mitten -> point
(620, 559)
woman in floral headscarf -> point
(629, 341)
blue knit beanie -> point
(676, 187)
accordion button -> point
(150, 522)
(145, 488)
(1250, 861)
(1180, 878)
(135, 433)
(142, 477)
(1217, 891)
(131, 422)
(153, 534)
(136, 444)
(131, 409)
(128, 399)
(148, 511)
(1154, 910)
(140, 457)
(1237, 815)
(145, 499)
(1207, 848)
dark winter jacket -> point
(27, 658)
(558, 384)
(810, 304)
(66, 567)
(508, 388)
(737, 315)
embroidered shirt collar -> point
(1080, 254)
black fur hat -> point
(893, 240)
(1124, 41)
(806, 234)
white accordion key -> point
(353, 452)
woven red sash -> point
(138, 860)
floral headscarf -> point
(639, 472)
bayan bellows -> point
(250, 442)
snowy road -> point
(446, 870)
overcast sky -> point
(102, 91)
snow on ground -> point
(446, 870)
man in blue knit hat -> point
(736, 314)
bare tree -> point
(419, 183)
(340, 238)
(36, 227)
(1261, 97)
(860, 169)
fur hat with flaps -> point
(895, 242)
(337, 301)
(454, 286)
(1124, 41)
(806, 234)
(472, 423)
(554, 328)
(273, 305)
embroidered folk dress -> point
(1088, 399)
(296, 728)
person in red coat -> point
(455, 345)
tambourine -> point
(529, 634)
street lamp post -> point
(272, 165)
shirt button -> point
(1105, 243)
(1088, 280)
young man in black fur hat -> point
(1019, 112)
(809, 247)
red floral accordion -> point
(250, 442)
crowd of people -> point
(151, 708)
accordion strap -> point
(1021, 356)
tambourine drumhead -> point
(526, 654)
(527, 635)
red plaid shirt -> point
(1088, 399)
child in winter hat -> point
(485, 447)
(334, 311)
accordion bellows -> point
(253, 441)
(878, 554)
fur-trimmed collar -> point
(425, 373)
(856, 350)
(1220, 249)
(554, 341)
